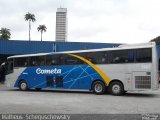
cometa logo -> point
(48, 71)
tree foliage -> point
(31, 18)
(41, 28)
(5, 34)
(157, 40)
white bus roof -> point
(121, 47)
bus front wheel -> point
(23, 85)
(99, 87)
(116, 88)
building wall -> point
(24, 47)
(14, 47)
(61, 24)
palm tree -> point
(31, 18)
(157, 40)
(5, 34)
(41, 28)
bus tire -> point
(38, 89)
(99, 87)
(23, 85)
(116, 88)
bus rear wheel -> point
(23, 85)
(116, 88)
(99, 87)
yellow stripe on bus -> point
(99, 71)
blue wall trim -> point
(14, 47)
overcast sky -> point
(108, 21)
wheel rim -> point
(23, 86)
(98, 88)
(116, 89)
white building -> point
(61, 24)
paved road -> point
(49, 101)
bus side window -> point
(21, 62)
(37, 61)
(91, 56)
(83, 55)
(33, 63)
(60, 59)
(48, 60)
(91, 59)
(52, 60)
(41, 60)
(95, 57)
(123, 56)
(69, 60)
(104, 58)
(144, 55)
(131, 56)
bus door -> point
(54, 81)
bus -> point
(117, 70)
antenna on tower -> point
(60, 1)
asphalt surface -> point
(73, 102)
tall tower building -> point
(61, 25)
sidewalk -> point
(2, 85)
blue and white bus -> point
(121, 69)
